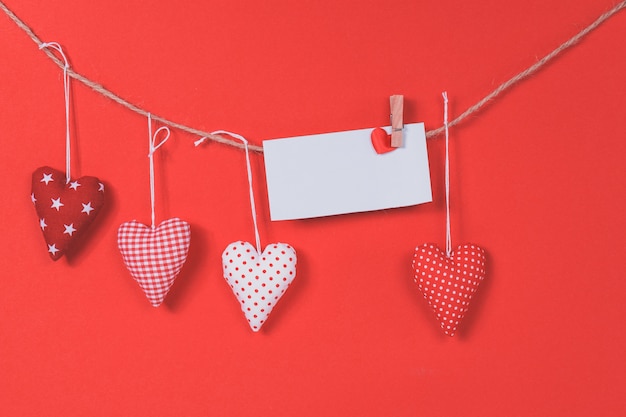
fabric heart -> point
(65, 210)
(381, 141)
(258, 281)
(154, 255)
(448, 284)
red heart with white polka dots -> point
(65, 209)
(258, 281)
(448, 283)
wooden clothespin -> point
(397, 124)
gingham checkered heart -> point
(258, 280)
(154, 256)
(448, 284)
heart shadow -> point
(196, 259)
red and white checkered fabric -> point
(154, 256)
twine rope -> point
(221, 139)
(530, 70)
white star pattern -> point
(56, 203)
(101, 188)
(74, 185)
(53, 249)
(87, 208)
(32, 198)
(47, 178)
(42, 224)
(69, 229)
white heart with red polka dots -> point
(448, 283)
(258, 281)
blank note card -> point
(338, 173)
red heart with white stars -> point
(381, 141)
(65, 209)
(154, 255)
(258, 281)
(448, 283)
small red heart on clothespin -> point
(381, 141)
(258, 280)
(65, 209)
(154, 255)
(448, 283)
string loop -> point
(250, 188)
(66, 90)
(154, 147)
(447, 176)
(152, 138)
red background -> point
(537, 180)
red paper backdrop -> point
(537, 180)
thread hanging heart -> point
(381, 141)
(448, 283)
(154, 255)
(65, 209)
(258, 281)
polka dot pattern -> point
(258, 281)
(448, 284)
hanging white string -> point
(252, 205)
(66, 89)
(447, 174)
(151, 145)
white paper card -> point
(338, 173)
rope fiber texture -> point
(230, 142)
